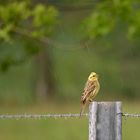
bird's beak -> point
(97, 76)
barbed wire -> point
(45, 116)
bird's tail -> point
(82, 109)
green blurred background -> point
(50, 78)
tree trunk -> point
(45, 84)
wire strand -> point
(45, 116)
(39, 116)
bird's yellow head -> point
(93, 76)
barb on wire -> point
(131, 115)
(39, 116)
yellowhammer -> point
(90, 91)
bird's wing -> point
(89, 87)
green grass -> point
(43, 129)
(131, 126)
(131, 129)
(60, 129)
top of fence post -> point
(105, 121)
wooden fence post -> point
(105, 121)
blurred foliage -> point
(44, 20)
(72, 2)
(15, 53)
(20, 24)
(38, 22)
(110, 54)
(108, 14)
(18, 15)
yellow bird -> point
(90, 91)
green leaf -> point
(14, 12)
(98, 24)
(4, 32)
(134, 25)
(44, 20)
